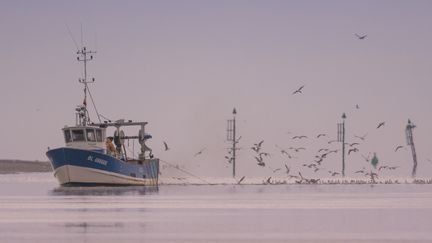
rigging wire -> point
(96, 42)
(184, 171)
(175, 167)
(94, 105)
(82, 43)
(132, 152)
(71, 36)
(104, 117)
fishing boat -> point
(90, 158)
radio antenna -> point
(82, 43)
(71, 36)
(96, 42)
(84, 56)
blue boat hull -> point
(83, 167)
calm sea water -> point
(33, 208)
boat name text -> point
(97, 160)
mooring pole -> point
(341, 138)
(231, 137)
(234, 142)
(410, 141)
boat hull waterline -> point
(77, 166)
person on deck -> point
(110, 146)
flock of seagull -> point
(260, 156)
(320, 157)
(322, 154)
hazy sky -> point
(183, 65)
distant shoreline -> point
(23, 166)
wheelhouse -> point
(85, 137)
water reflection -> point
(85, 226)
(104, 191)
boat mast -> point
(83, 56)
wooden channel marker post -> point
(410, 141)
(341, 138)
(231, 137)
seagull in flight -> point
(353, 150)
(260, 161)
(297, 149)
(383, 167)
(398, 147)
(287, 169)
(200, 152)
(263, 153)
(360, 37)
(256, 149)
(380, 124)
(285, 152)
(299, 90)
(269, 180)
(363, 171)
(276, 170)
(166, 146)
(321, 135)
(241, 179)
(333, 173)
(366, 158)
(352, 144)
(372, 175)
(299, 137)
(257, 146)
(361, 137)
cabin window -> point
(78, 135)
(99, 135)
(67, 135)
(91, 135)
